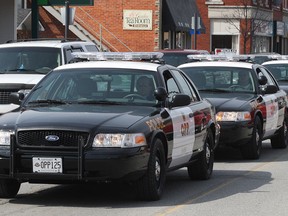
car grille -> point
(37, 138)
(4, 95)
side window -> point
(185, 84)
(263, 72)
(172, 87)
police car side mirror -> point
(180, 100)
(262, 80)
(16, 98)
(160, 94)
(271, 89)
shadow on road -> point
(227, 180)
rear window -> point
(91, 48)
(175, 59)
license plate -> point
(47, 165)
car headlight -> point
(233, 116)
(5, 137)
(119, 140)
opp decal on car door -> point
(271, 112)
(183, 135)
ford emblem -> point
(52, 138)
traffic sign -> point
(192, 31)
(62, 2)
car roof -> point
(44, 43)
(111, 64)
(217, 64)
(275, 62)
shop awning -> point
(177, 15)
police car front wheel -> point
(202, 169)
(9, 188)
(150, 186)
(281, 139)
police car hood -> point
(82, 117)
(229, 101)
(20, 78)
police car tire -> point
(252, 149)
(9, 188)
(281, 139)
(203, 168)
(149, 187)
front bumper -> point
(235, 134)
(93, 165)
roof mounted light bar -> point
(221, 57)
(278, 57)
(207, 57)
(118, 56)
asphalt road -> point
(237, 187)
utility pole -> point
(67, 19)
(35, 18)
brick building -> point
(247, 26)
(244, 26)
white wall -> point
(8, 20)
(222, 27)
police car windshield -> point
(279, 71)
(29, 59)
(225, 79)
(97, 86)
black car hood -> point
(229, 101)
(84, 117)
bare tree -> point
(251, 18)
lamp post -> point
(35, 18)
(67, 19)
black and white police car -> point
(250, 105)
(90, 121)
(278, 66)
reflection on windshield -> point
(221, 79)
(29, 59)
(95, 86)
(279, 71)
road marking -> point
(190, 201)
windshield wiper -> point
(20, 69)
(100, 102)
(48, 101)
(214, 90)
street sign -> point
(192, 31)
(62, 2)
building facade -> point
(247, 26)
(243, 26)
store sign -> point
(280, 28)
(137, 19)
(225, 51)
(263, 28)
(62, 2)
